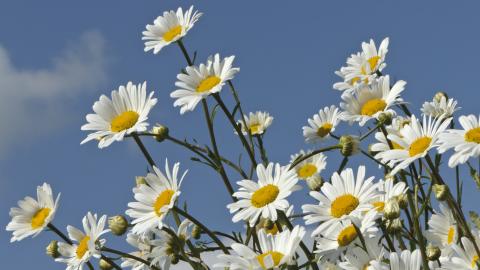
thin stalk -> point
(305, 157)
(111, 262)
(263, 152)
(130, 256)
(143, 149)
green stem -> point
(305, 157)
(129, 256)
(143, 149)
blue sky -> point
(58, 57)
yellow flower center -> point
(354, 81)
(307, 170)
(82, 247)
(276, 257)
(264, 195)
(208, 83)
(419, 146)
(254, 128)
(163, 199)
(379, 206)
(474, 260)
(172, 33)
(124, 121)
(451, 234)
(373, 106)
(473, 135)
(38, 220)
(346, 236)
(373, 62)
(324, 130)
(343, 205)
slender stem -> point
(203, 227)
(263, 152)
(370, 131)
(111, 262)
(130, 256)
(343, 164)
(185, 53)
(305, 157)
(143, 149)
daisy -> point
(142, 243)
(155, 199)
(389, 191)
(265, 197)
(406, 261)
(443, 230)
(169, 28)
(277, 250)
(199, 82)
(370, 101)
(322, 124)
(363, 68)
(32, 216)
(87, 244)
(415, 140)
(382, 143)
(440, 108)
(465, 142)
(462, 259)
(311, 167)
(256, 122)
(345, 197)
(360, 259)
(126, 112)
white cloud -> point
(32, 101)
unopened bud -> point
(174, 259)
(439, 95)
(140, 180)
(118, 225)
(394, 225)
(402, 200)
(196, 232)
(391, 209)
(441, 192)
(160, 132)
(315, 182)
(385, 118)
(268, 224)
(52, 249)
(350, 145)
(104, 265)
(433, 252)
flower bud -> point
(52, 249)
(174, 259)
(394, 225)
(268, 224)
(385, 118)
(118, 225)
(391, 209)
(402, 200)
(433, 252)
(140, 180)
(441, 192)
(350, 145)
(315, 182)
(104, 265)
(160, 131)
(196, 232)
(438, 96)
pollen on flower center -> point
(264, 195)
(373, 62)
(163, 199)
(473, 135)
(208, 83)
(419, 146)
(346, 236)
(172, 33)
(373, 106)
(343, 205)
(254, 128)
(474, 261)
(276, 258)
(124, 121)
(38, 219)
(82, 247)
(379, 206)
(307, 170)
(324, 129)
(450, 235)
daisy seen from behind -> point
(256, 123)
(441, 107)
(322, 124)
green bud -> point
(441, 192)
(350, 145)
(196, 232)
(118, 225)
(439, 95)
(385, 118)
(160, 131)
(52, 249)
(315, 182)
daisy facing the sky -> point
(256, 122)
(126, 112)
(155, 198)
(199, 82)
(264, 197)
(370, 101)
(311, 167)
(321, 124)
(32, 216)
(168, 28)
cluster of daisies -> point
(354, 221)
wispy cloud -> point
(32, 100)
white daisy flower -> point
(415, 140)
(202, 81)
(256, 122)
(465, 142)
(382, 143)
(321, 124)
(125, 113)
(360, 259)
(462, 258)
(443, 230)
(369, 101)
(345, 197)
(87, 243)
(278, 250)
(155, 199)
(32, 216)
(311, 167)
(406, 261)
(342, 236)
(265, 197)
(143, 245)
(169, 28)
(440, 108)
(389, 191)
(362, 68)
